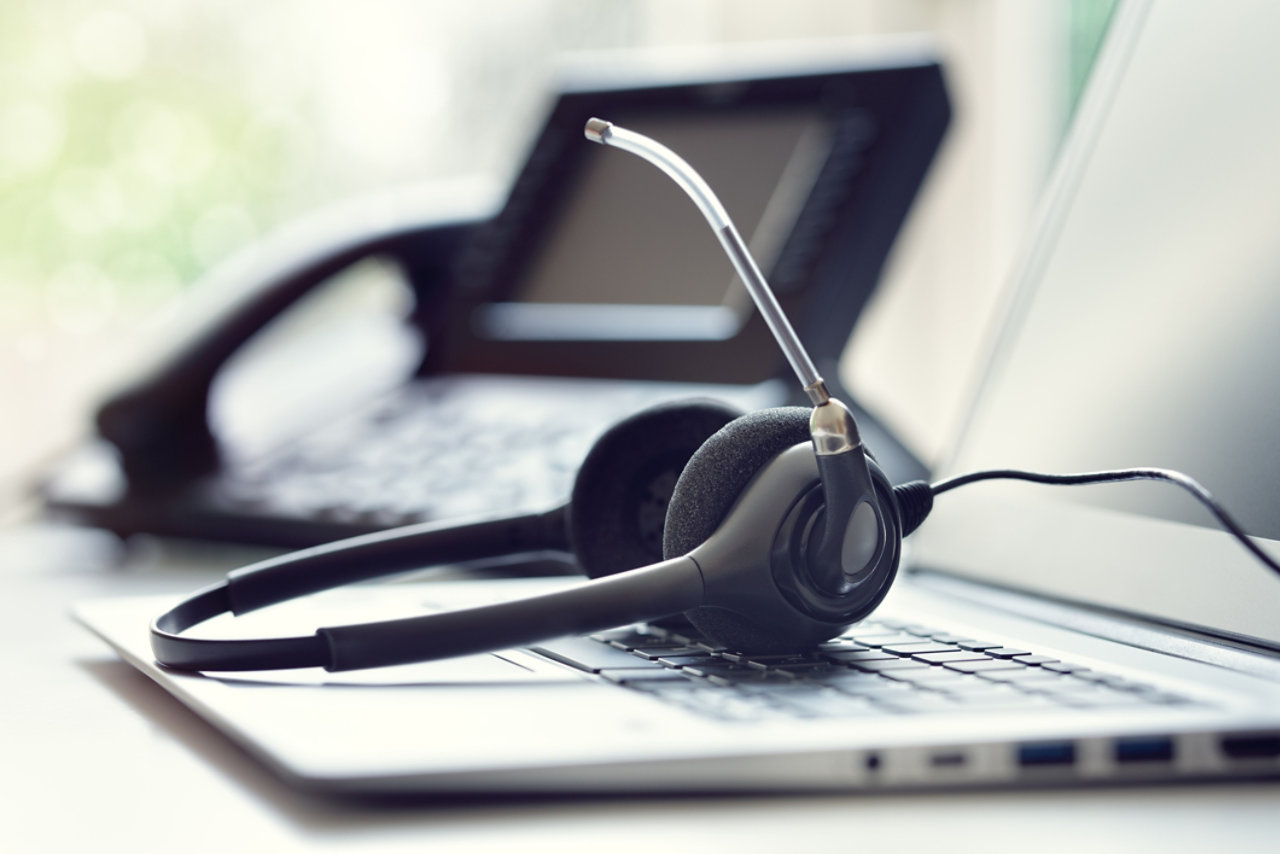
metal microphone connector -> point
(596, 130)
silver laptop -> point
(1039, 635)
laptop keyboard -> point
(429, 452)
(878, 667)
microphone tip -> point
(597, 129)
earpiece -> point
(708, 489)
(618, 508)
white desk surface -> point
(97, 758)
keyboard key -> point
(1067, 682)
(587, 654)
(892, 665)
(977, 645)
(1012, 701)
(643, 676)
(948, 637)
(918, 647)
(860, 655)
(1101, 698)
(840, 645)
(1163, 698)
(807, 669)
(878, 688)
(745, 709)
(942, 657)
(1037, 659)
(921, 702)
(879, 623)
(683, 659)
(1063, 667)
(1006, 652)
(676, 687)
(1079, 692)
(783, 660)
(856, 681)
(935, 678)
(966, 683)
(880, 641)
(624, 639)
(1119, 682)
(982, 666)
(1027, 675)
(748, 680)
(814, 701)
(727, 670)
(767, 683)
(653, 652)
(725, 704)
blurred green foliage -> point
(132, 154)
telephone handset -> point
(593, 290)
(159, 423)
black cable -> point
(1115, 476)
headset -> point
(771, 531)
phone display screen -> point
(628, 243)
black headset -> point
(723, 514)
(771, 531)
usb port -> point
(948, 760)
(1151, 749)
(1260, 745)
(1047, 753)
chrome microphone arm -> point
(607, 133)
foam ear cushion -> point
(620, 496)
(710, 484)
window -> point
(145, 141)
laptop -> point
(1036, 636)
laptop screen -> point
(1146, 332)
